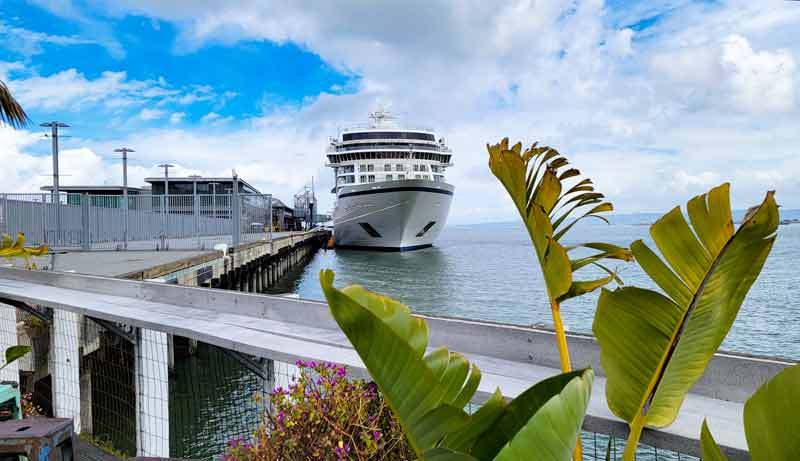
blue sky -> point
(655, 100)
(255, 74)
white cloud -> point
(29, 43)
(177, 117)
(759, 81)
(70, 90)
(152, 114)
(209, 117)
(706, 95)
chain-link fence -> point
(92, 221)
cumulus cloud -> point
(759, 81)
(705, 95)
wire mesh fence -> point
(143, 392)
(108, 389)
(92, 221)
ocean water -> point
(490, 272)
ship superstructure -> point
(391, 192)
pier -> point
(266, 333)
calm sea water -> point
(490, 272)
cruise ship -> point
(391, 193)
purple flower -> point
(376, 435)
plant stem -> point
(561, 337)
(566, 365)
(633, 439)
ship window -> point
(371, 178)
(438, 178)
(425, 176)
(369, 230)
(387, 135)
(426, 228)
(387, 167)
(363, 178)
(400, 167)
(370, 167)
(362, 168)
(423, 168)
(416, 167)
(416, 176)
(401, 177)
(388, 177)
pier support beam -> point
(65, 366)
(152, 394)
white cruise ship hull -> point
(392, 215)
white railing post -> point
(4, 216)
(64, 366)
(236, 208)
(44, 220)
(86, 233)
(152, 394)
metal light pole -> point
(54, 126)
(124, 151)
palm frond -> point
(11, 112)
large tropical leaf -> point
(654, 346)
(426, 393)
(543, 423)
(15, 353)
(772, 418)
(708, 446)
(547, 194)
(771, 421)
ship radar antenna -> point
(381, 117)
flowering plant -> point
(323, 415)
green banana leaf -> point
(708, 446)
(654, 346)
(771, 421)
(772, 418)
(550, 434)
(428, 393)
(546, 203)
(15, 353)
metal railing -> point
(252, 341)
(92, 221)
